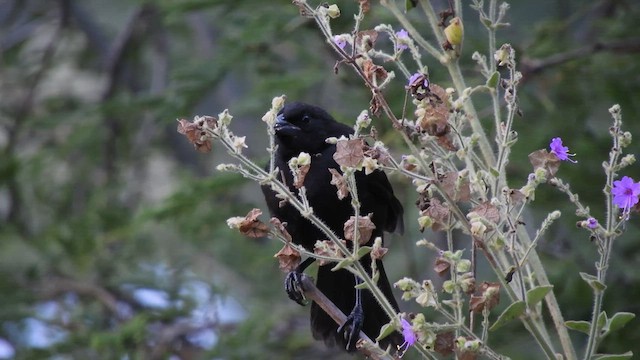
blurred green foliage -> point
(100, 197)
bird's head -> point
(303, 127)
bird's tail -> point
(338, 286)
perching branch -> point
(366, 346)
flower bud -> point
(363, 120)
(478, 228)
(454, 32)
(333, 11)
(234, 222)
(625, 139)
(225, 117)
(448, 286)
(269, 118)
(239, 143)
(505, 56)
(463, 266)
(278, 102)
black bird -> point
(303, 128)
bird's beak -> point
(283, 126)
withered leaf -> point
(487, 296)
(444, 343)
(488, 211)
(372, 71)
(370, 36)
(365, 229)
(438, 213)
(545, 160)
(378, 252)
(378, 153)
(457, 189)
(194, 133)
(288, 258)
(349, 153)
(189, 129)
(446, 143)
(339, 182)
(252, 227)
(441, 266)
(328, 249)
(516, 196)
(466, 355)
(365, 5)
(374, 105)
(300, 174)
(280, 228)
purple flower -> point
(402, 37)
(625, 194)
(340, 41)
(592, 223)
(562, 152)
(415, 77)
(408, 334)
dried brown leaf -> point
(339, 182)
(372, 71)
(300, 175)
(444, 343)
(457, 189)
(378, 252)
(252, 227)
(194, 134)
(487, 296)
(281, 228)
(516, 196)
(365, 5)
(441, 266)
(365, 229)
(545, 160)
(327, 248)
(366, 39)
(349, 153)
(487, 211)
(438, 213)
(288, 258)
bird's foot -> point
(293, 287)
(350, 330)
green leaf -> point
(582, 326)
(602, 320)
(486, 21)
(627, 355)
(362, 251)
(511, 312)
(385, 331)
(362, 285)
(343, 264)
(409, 4)
(535, 295)
(619, 320)
(492, 82)
(593, 281)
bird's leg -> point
(293, 282)
(350, 330)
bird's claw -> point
(293, 287)
(350, 330)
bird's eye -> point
(306, 119)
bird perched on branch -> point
(304, 128)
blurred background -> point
(113, 241)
